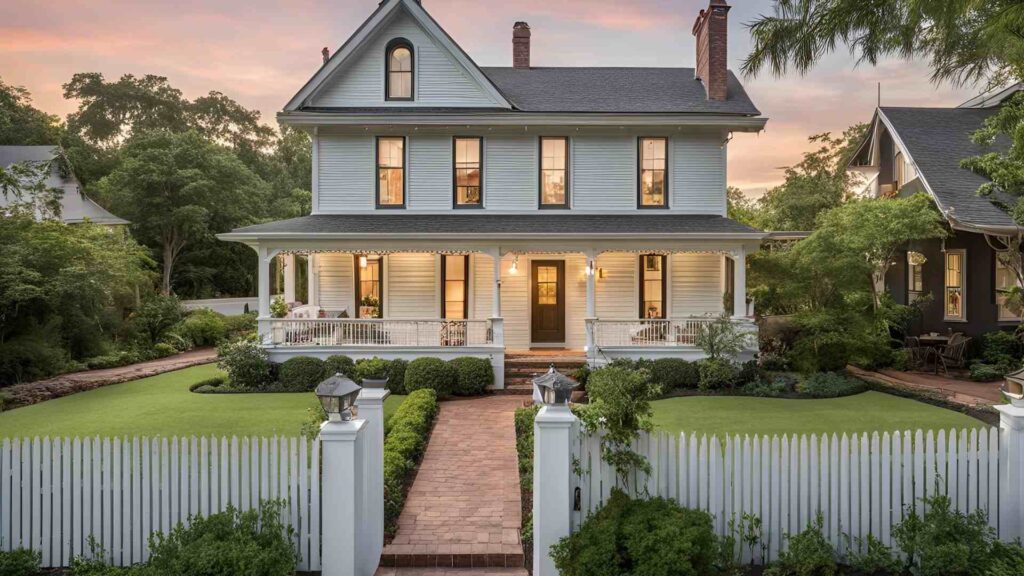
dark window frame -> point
(405, 172)
(664, 286)
(540, 174)
(391, 47)
(455, 173)
(465, 286)
(640, 173)
(358, 282)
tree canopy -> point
(21, 123)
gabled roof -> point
(616, 90)
(76, 207)
(367, 30)
(936, 140)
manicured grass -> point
(866, 412)
(163, 406)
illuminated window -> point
(915, 276)
(455, 279)
(653, 173)
(954, 292)
(468, 171)
(391, 172)
(652, 286)
(899, 170)
(369, 281)
(1005, 279)
(547, 285)
(399, 70)
(554, 172)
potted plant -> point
(372, 372)
(278, 307)
(369, 307)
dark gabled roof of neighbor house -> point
(616, 90)
(554, 225)
(938, 139)
(76, 207)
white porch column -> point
(289, 277)
(739, 302)
(370, 403)
(1011, 472)
(346, 542)
(263, 276)
(552, 498)
(495, 255)
(591, 315)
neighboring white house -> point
(467, 210)
(75, 206)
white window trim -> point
(963, 285)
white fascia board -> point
(524, 119)
(488, 237)
(369, 28)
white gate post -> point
(342, 508)
(552, 484)
(1011, 472)
(370, 404)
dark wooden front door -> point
(547, 289)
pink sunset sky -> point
(260, 52)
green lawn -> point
(865, 412)
(162, 405)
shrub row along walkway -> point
(66, 384)
(463, 510)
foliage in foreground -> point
(655, 537)
(19, 562)
(254, 542)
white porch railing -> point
(378, 332)
(648, 332)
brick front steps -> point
(522, 367)
(451, 572)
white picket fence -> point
(57, 492)
(861, 484)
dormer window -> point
(399, 65)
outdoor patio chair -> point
(919, 354)
(952, 355)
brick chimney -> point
(712, 32)
(521, 45)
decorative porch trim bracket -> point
(552, 483)
(1011, 472)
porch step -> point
(453, 556)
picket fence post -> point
(370, 403)
(552, 483)
(342, 445)
(1011, 471)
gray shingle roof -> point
(500, 224)
(937, 140)
(615, 90)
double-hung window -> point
(399, 76)
(468, 167)
(953, 299)
(554, 172)
(652, 286)
(653, 173)
(455, 287)
(390, 172)
(1005, 280)
(915, 276)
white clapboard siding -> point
(58, 493)
(861, 484)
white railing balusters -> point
(378, 332)
(649, 332)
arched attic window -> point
(398, 83)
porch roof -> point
(497, 226)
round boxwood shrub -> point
(301, 374)
(474, 375)
(627, 536)
(340, 364)
(717, 374)
(371, 368)
(396, 376)
(431, 374)
(246, 363)
(674, 374)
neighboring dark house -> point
(911, 150)
(75, 206)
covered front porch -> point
(468, 295)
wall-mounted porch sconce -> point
(362, 261)
(515, 266)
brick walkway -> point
(963, 392)
(464, 510)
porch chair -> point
(919, 354)
(953, 354)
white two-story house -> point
(466, 210)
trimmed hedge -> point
(830, 385)
(339, 364)
(396, 376)
(431, 374)
(408, 430)
(674, 374)
(301, 374)
(474, 375)
(371, 368)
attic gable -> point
(355, 76)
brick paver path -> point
(963, 392)
(463, 510)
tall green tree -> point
(965, 41)
(21, 123)
(179, 189)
